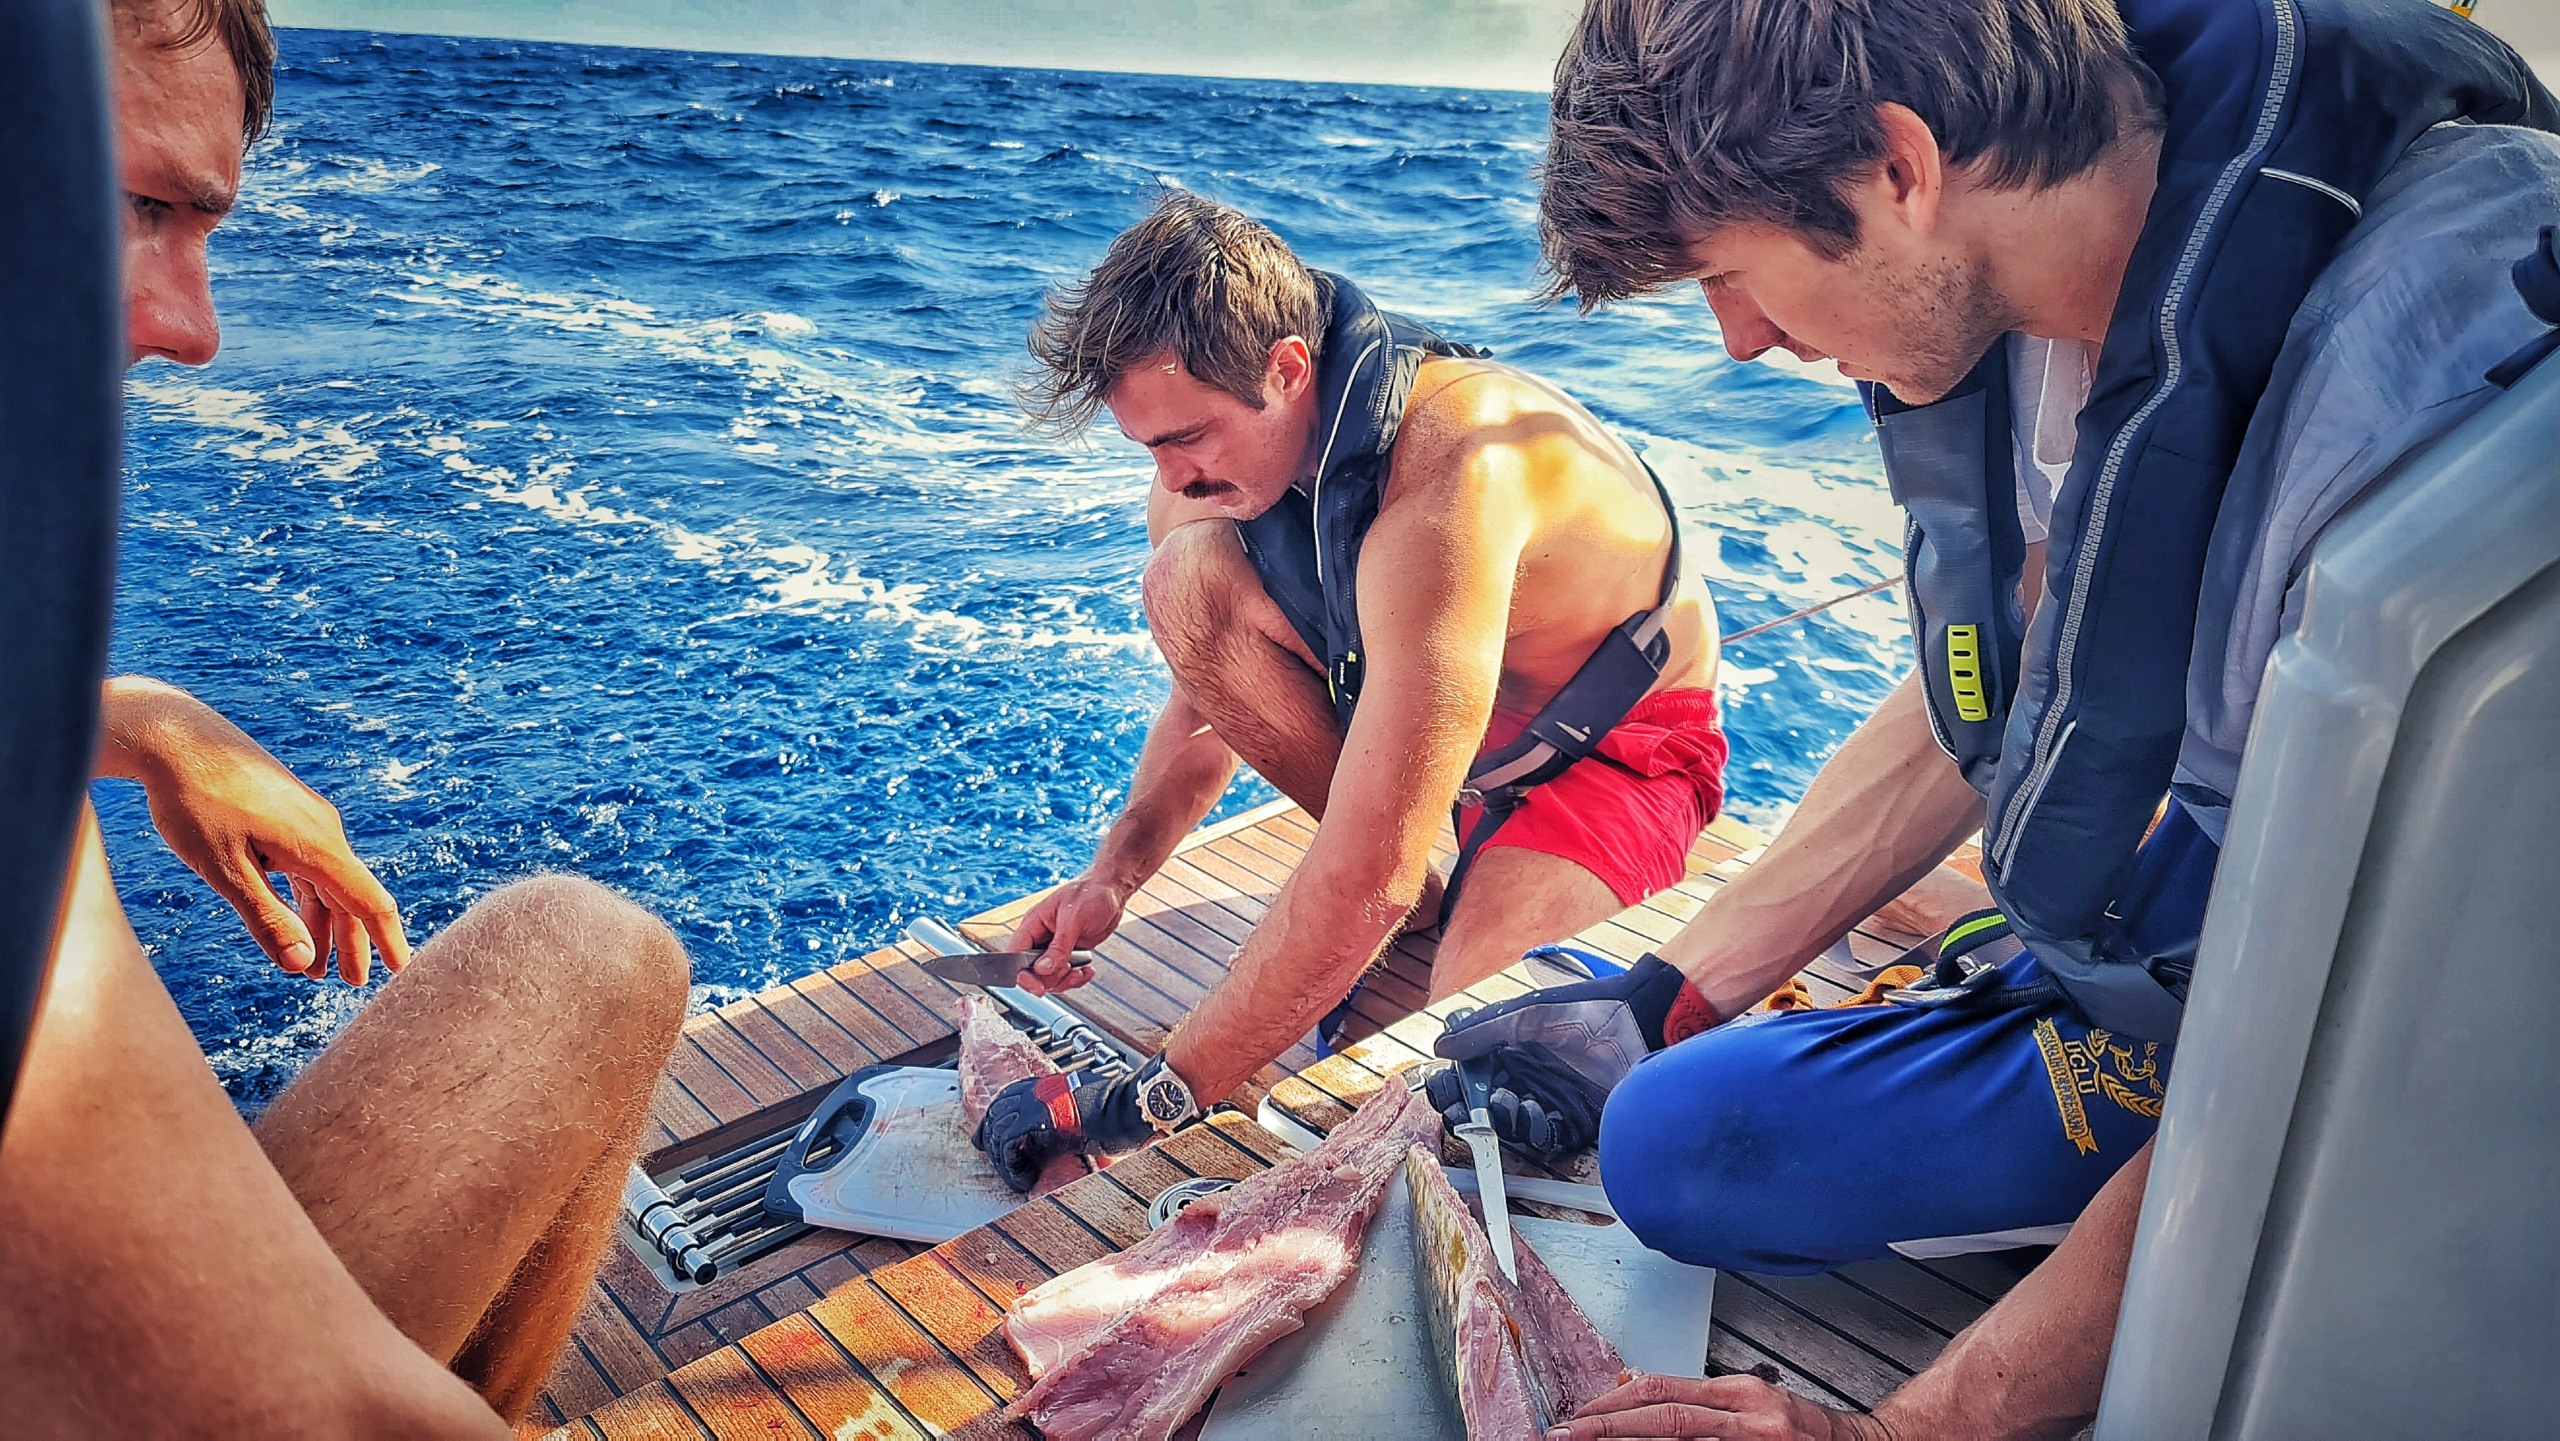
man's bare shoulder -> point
(1474, 421)
(1458, 395)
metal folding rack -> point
(705, 1218)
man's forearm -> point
(2034, 1365)
(1887, 807)
(130, 711)
(1182, 770)
(1329, 921)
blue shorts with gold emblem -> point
(1795, 1141)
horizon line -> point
(1269, 77)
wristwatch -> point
(1164, 1099)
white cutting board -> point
(1361, 1367)
(913, 1174)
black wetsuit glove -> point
(1559, 1052)
(1040, 1118)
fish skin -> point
(1473, 1337)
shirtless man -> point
(418, 1216)
(1515, 546)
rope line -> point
(1748, 632)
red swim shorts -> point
(1630, 811)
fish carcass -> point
(1517, 1358)
(1131, 1345)
(993, 1055)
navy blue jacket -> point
(2282, 115)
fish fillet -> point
(1062, 1316)
(1574, 1364)
(993, 1055)
(1518, 1356)
(1132, 1345)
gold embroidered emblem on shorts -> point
(2097, 1064)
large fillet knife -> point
(1486, 1148)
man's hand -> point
(234, 814)
(1040, 1118)
(1075, 917)
(1727, 1408)
(1557, 1053)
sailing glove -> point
(1537, 1103)
(1556, 1054)
(1040, 1118)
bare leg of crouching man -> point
(1244, 670)
(462, 1145)
(1237, 661)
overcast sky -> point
(1507, 44)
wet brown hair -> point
(1199, 279)
(241, 26)
(1672, 118)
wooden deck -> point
(845, 1337)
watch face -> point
(1165, 1099)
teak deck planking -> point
(850, 1337)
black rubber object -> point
(2538, 281)
(2538, 277)
(61, 382)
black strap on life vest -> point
(61, 382)
(2281, 117)
(1621, 671)
(1960, 966)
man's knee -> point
(586, 954)
(1193, 589)
(1804, 1140)
(1701, 1161)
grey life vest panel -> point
(2282, 115)
(1306, 549)
(1949, 466)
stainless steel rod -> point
(760, 1164)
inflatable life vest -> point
(2282, 115)
(1306, 549)
(62, 352)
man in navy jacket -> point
(2157, 288)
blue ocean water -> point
(610, 466)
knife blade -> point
(981, 968)
(1486, 1149)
